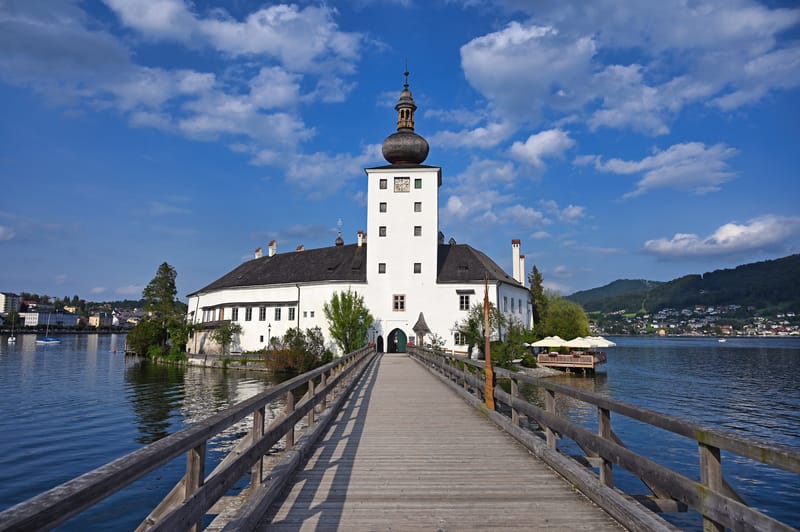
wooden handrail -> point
(713, 498)
(58, 504)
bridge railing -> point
(184, 507)
(712, 497)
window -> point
(418, 182)
(383, 184)
(312, 313)
(305, 314)
(519, 306)
(235, 314)
(398, 302)
(277, 313)
(382, 230)
(261, 338)
(512, 304)
(248, 313)
(417, 230)
(382, 206)
(417, 206)
(381, 267)
(460, 338)
(402, 184)
(505, 303)
(417, 267)
(262, 313)
(291, 313)
(463, 302)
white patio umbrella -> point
(550, 341)
(599, 341)
(579, 343)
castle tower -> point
(402, 222)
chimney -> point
(301, 247)
(259, 253)
(273, 248)
(360, 238)
(522, 269)
(515, 260)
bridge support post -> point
(195, 473)
(514, 395)
(604, 431)
(323, 383)
(289, 410)
(257, 473)
(711, 476)
(310, 416)
(550, 406)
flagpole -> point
(489, 392)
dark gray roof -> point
(458, 263)
(421, 327)
(335, 263)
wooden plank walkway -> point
(407, 453)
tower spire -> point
(405, 146)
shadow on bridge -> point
(319, 491)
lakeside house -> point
(414, 282)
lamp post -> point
(269, 334)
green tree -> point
(224, 334)
(147, 333)
(472, 325)
(348, 320)
(565, 318)
(159, 294)
(538, 296)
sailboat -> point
(12, 339)
(47, 340)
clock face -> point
(402, 184)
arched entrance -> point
(380, 344)
(396, 341)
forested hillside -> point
(768, 285)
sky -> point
(617, 139)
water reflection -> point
(155, 391)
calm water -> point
(71, 407)
(749, 386)
(68, 408)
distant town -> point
(32, 311)
(724, 320)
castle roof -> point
(457, 263)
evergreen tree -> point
(538, 297)
(159, 294)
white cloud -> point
(690, 166)
(540, 235)
(320, 174)
(765, 233)
(550, 143)
(526, 217)
(160, 208)
(6, 233)
(569, 214)
(633, 64)
(480, 137)
(303, 39)
(98, 290)
(130, 290)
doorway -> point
(380, 344)
(397, 341)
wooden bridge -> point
(405, 442)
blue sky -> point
(616, 139)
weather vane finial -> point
(406, 74)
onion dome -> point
(405, 146)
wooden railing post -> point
(195, 473)
(514, 395)
(257, 472)
(550, 406)
(310, 417)
(289, 410)
(323, 382)
(711, 476)
(604, 431)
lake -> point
(71, 407)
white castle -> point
(413, 283)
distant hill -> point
(767, 285)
